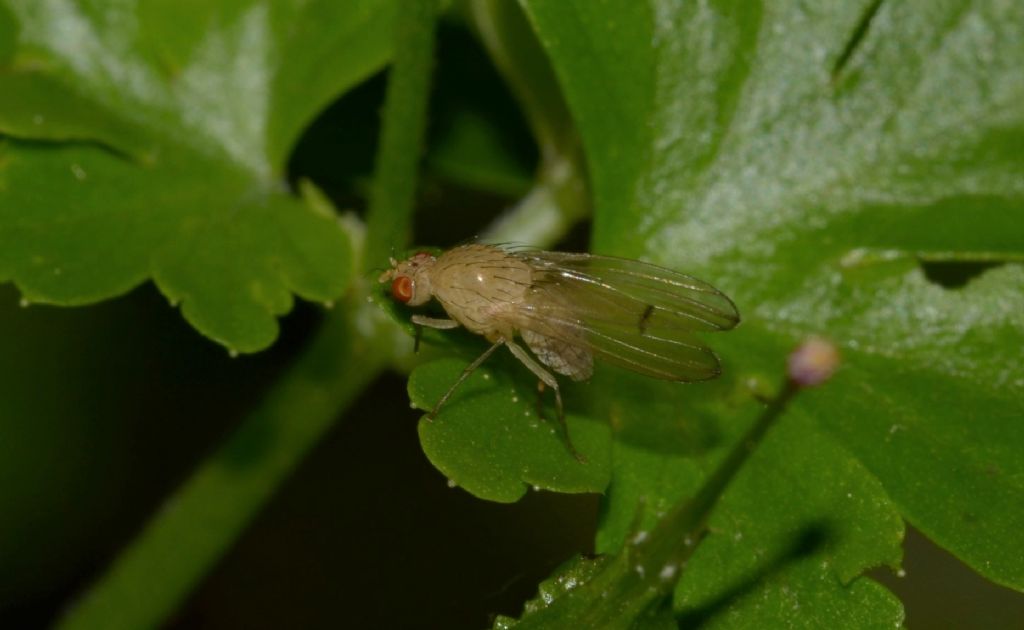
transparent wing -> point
(661, 297)
(634, 314)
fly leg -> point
(547, 379)
(465, 374)
(419, 321)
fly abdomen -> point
(574, 361)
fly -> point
(568, 309)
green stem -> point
(200, 521)
(547, 213)
(637, 581)
(666, 548)
(560, 198)
(393, 195)
(508, 37)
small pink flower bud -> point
(813, 362)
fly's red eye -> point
(401, 288)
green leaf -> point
(575, 572)
(489, 439)
(172, 121)
(806, 160)
(815, 501)
(792, 557)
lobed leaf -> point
(490, 440)
(148, 141)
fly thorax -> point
(479, 287)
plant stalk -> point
(393, 194)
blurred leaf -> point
(470, 152)
(804, 160)
(180, 114)
(479, 137)
(559, 197)
(518, 56)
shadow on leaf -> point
(805, 543)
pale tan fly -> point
(568, 309)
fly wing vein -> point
(674, 356)
(634, 314)
(617, 288)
